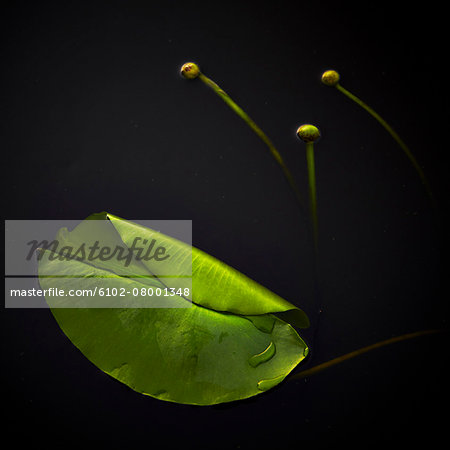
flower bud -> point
(190, 70)
(330, 78)
(308, 133)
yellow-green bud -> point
(190, 70)
(330, 78)
(308, 133)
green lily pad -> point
(220, 342)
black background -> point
(95, 117)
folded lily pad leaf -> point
(218, 342)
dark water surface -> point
(97, 118)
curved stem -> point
(243, 115)
(396, 137)
(320, 367)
